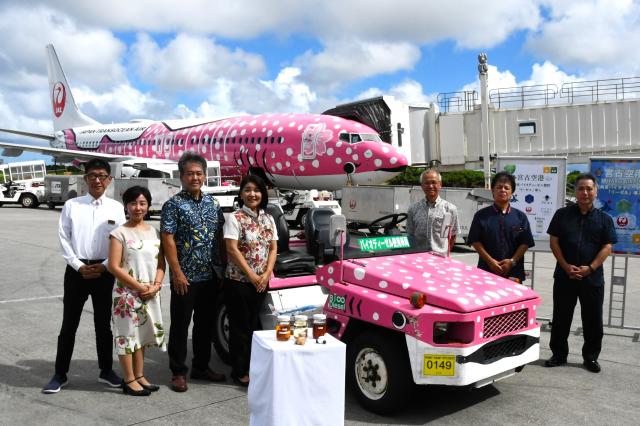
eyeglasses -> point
(94, 176)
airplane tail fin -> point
(65, 111)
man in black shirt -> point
(581, 240)
(500, 233)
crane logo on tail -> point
(59, 98)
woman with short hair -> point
(136, 260)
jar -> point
(319, 325)
(300, 327)
(283, 328)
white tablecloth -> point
(296, 384)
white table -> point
(296, 384)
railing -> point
(457, 101)
(600, 90)
(521, 95)
(544, 94)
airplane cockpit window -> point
(370, 137)
(355, 138)
(345, 137)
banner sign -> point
(540, 188)
(618, 196)
(383, 243)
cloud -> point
(471, 23)
(344, 60)
(594, 36)
(191, 62)
(91, 54)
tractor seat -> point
(288, 262)
(316, 231)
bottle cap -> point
(283, 318)
(300, 318)
(319, 317)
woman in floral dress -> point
(251, 242)
(137, 262)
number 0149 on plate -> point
(439, 365)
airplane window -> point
(233, 140)
(272, 139)
(281, 139)
(246, 140)
(345, 137)
(253, 140)
(179, 142)
(259, 139)
(370, 137)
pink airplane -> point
(297, 151)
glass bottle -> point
(283, 328)
(300, 328)
(319, 325)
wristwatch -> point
(513, 262)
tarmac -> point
(31, 312)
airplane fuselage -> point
(291, 150)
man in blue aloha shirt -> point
(191, 228)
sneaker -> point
(55, 384)
(109, 377)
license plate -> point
(439, 365)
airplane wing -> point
(61, 155)
(30, 134)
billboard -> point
(618, 188)
(540, 188)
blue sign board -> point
(619, 196)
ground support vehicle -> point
(22, 183)
(408, 318)
(60, 188)
(473, 329)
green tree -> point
(454, 179)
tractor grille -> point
(494, 351)
(505, 323)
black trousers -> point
(199, 302)
(76, 292)
(243, 306)
(565, 295)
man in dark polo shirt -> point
(581, 240)
(500, 233)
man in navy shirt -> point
(500, 233)
(581, 240)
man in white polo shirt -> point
(432, 223)
(85, 224)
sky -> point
(163, 59)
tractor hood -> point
(447, 283)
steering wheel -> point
(387, 222)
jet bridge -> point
(576, 120)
